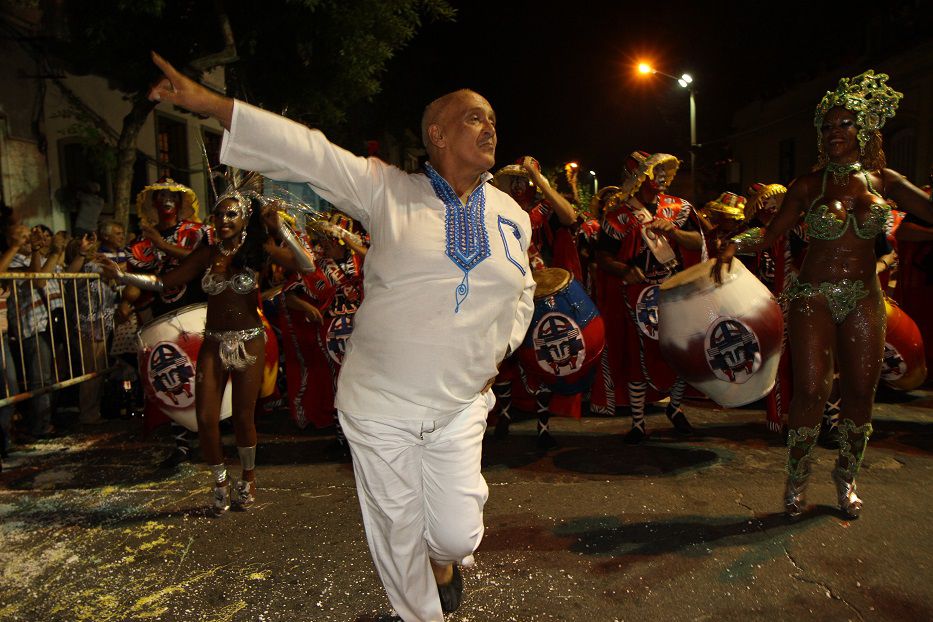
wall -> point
(762, 126)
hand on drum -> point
(726, 254)
(661, 226)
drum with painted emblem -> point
(904, 364)
(338, 332)
(566, 335)
(724, 340)
(168, 359)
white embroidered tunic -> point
(430, 331)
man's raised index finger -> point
(163, 64)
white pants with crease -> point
(422, 495)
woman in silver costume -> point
(836, 315)
(234, 343)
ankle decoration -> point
(219, 471)
(800, 442)
(247, 457)
(853, 440)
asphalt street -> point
(593, 531)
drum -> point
(566, 336)
(904, 364)
(168, 357)
(338, 332)
(724, 340)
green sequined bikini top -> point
(824, 225)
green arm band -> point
(746, 242)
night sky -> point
(562, 78)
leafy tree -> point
(310, 59)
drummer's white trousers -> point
(421, 495)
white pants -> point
(422, 495)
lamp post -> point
(595, 182)
(685, 81)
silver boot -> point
(245, 494)
(221, 498)
(800, 442)
(849, 502)
(793, 496)
(221, 488)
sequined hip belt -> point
(233, 354)
(841, 296)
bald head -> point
(436, 112)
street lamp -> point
(595, 182)
(685, 81)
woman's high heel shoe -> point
(849, 502)
(221, 498)
(793, 497)
(245, 494)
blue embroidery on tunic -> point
(466, 238)
(518, 236)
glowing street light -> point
(685, 81)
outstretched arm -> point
(279, 148)
(754, 240)
(908, 197)
(178, 89)
(189, 268)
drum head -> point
(698, 277)
(171, 314)
(549, 281)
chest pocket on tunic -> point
(511, 236)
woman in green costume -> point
(836, 314)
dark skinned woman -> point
(836, 310)
(234, 343)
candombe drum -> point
(338, 332)
(724, 340)
(168, 356)
(565, 339)
(904, 364)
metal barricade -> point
(77, 348)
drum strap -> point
(657, 244)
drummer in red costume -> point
(552, 245)
(170, 231)
(319, 319)
(914, 288)
(643, 235)
(720, 218)
(552, 217)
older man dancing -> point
(448, 296)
